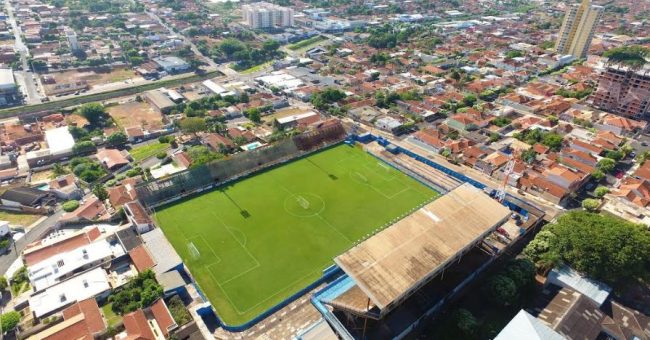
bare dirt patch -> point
(136, 114)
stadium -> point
(257, 239)
(262, 228)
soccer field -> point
(257, 241)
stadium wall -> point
(329, 274)
(184, 184)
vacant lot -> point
(255, 242)
(13, 218)
(143, 152)
(94, 78)
(136, 114)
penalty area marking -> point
(200, 237)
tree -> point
(117, 139)
(140, 292)
(465, 322)
(200, 154)
(70, 205)
(590, 204)
(529, 156)
(3, 284)
(501, 290)
(93, 112)
(100, 192)
(469, 100)
(615, 155)
(604, 247)
(9, 321)
(178, 311)
(58, 170)
(83, 147)
(634, 56)
(539, 246)
(192, 125)
(606, 165)
(597, 175)
(522, 272)
(601, 191)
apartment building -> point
(624, 92)
(578, 29)
(266, 15)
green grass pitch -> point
(257, 241)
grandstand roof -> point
(392, 263)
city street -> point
(25, 78)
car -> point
(644, 143)
(632, 154)
(620, 174)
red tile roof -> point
(141, 258)
(162, 316)
(137, 326)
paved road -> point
(31, 236)
(26, 78)
(188, 41)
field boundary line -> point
(270, 296)
(233, 236)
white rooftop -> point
(59, 140)
(294, 118)
(7, 78)
(526, 326)
(50, 271)
(78, 288)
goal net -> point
(194, 252)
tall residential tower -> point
(578, 29)
(266, 15)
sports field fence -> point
(162, 191)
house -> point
(620, 125)
(302, 119)
(217, 142)
(91, 210)
(93, 283)
(134, 134)
(112, 159)
(635, 190)
(141, 258)
(389, 124)
(138, 216)
(28, 197)
(66, 187)
(65, 264)
(154, 323)
(54, 244)
(123, 193)
(82, 320)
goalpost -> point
(194, 252)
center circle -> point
(304, 204)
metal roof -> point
(526, 326)
(395, 261)
(161, 250)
